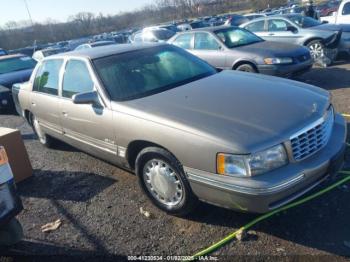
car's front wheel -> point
(43, 138)
(163, 180)
(246, 68)
(316, 49)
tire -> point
(43, 138)
(163, 180)
(11, 233)
(316, 49)
(246, 68)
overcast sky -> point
(41, 10)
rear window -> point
(16, 64)
(149, 71)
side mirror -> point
(85, 98)
(325, 22)
(292, 29)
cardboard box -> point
(17, 154)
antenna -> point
(30, 16)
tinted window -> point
(149, 71)
(47, 77)
(16, 64)
(183, 41)
(205, 41)
(76, 79)
(276, 25)
(256, 26)
(346, 9)
(233, 37)
(304, 21)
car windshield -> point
(149, 71)
(16, 64)
(234, 37)
(304, 21)
(164, 34)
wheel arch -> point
(242, 62)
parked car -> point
(13, 69)
(236, 20)
(188, 131)
(341, 16)
(296, 29)
(254, 16)
(41, 54)
(3, 52)
(343, 29)
(11, 205)
(327, 9)
(94, 44)
(151, 35)
(238, 49)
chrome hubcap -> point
(316, 50)
(38, 131)
(163, 182)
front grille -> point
(312, 138)
(303, 58)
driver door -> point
(86, 126)
(279, 30)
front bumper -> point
(286, 70)
(266, 192)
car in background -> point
(188, 131)
(341, 16)
(13, 69)
(10, 204)
(254, 16)
(327, 9)
(94, 44)
(296, 29)
(41, 54)
(236, 20)
(3, 52)
(149, 35)
(238, 49)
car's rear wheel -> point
(316, 49)
(163, 180)
(246, 68)
(43, 138)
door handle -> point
(33, 104)
(65, 114)
(271, 34)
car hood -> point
(333, 27)
(9, 79)
(273, 49)
(247, 112)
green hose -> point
(230, 237)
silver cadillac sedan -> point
(238, 140)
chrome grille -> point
(312, 138)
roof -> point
(208, 29)
(102, 51)
(10, 56)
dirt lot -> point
(99, 205)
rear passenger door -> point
(87, 126)
(44, 96)
(207, 47)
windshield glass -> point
(16, 64)
(163, 34)
(304, 21)
(149, 71)
(234, 37)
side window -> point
(258, 26)
(205, 41)
(76, 79)
(276, 25)
(346, 9)
(183, 41)
(47, 77)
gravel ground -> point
(99, 205)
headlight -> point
(278, 60)
(254, 164)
